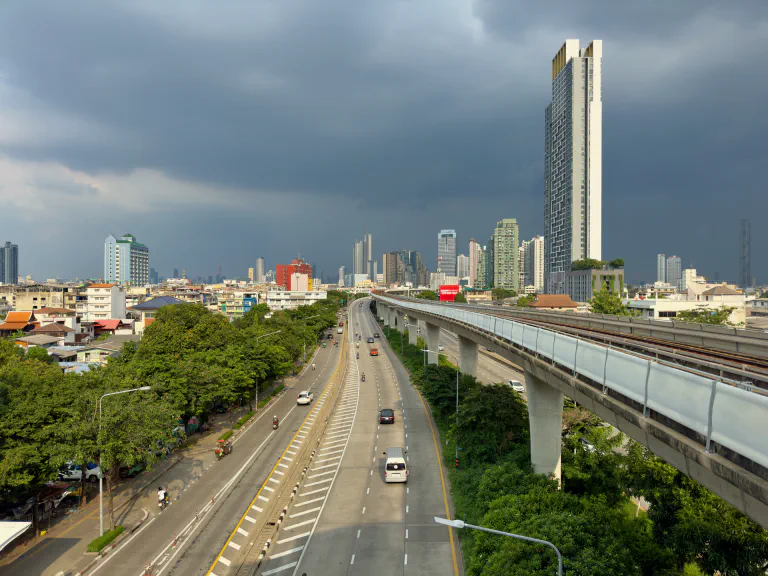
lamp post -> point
(457, 395)
(462, 524)
(101, 470)
(257, 384)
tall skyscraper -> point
(342, 271)
(358, 258)
(462, 266)
(506, 264)
(475, 257)
(126, 261)
(259, 272)
(367, 254)
(573, 161)
(745, 260)
(661, 268)
(674, 270)
(176, 274)
(251, 275)
(532, 263)
(9, 264)
(446, 252)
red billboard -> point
(448, 292)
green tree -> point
(616, 263)
(39, 354)
(606, 302)
(597, 468)
(525, 301)
(502, 293)
(707, 315)
(427, 295)
(460, 298)
(587, 264)
(692, 522)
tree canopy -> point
(427, 295)
(502, 293)
(587, 264)
(606, 302)
(460, 298)
(707, 315)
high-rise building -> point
(475, 259)
(9, 264)
(532, 263)
(342, 271)
(506, 264)
(358, 258)
(125, 261)
(462, 266)
(368, 254)
(285, 273)
(488, 252)
(176, 274)
(154, 277)
(573, 161)
(661, 268)
(446, 252)
(251, 275)
(259, 272)
(521, 271)
(674, 270)
(745, 260)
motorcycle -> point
(223, 447)
(358, 355)
(275, 423)
(363, 378)
(163, 502)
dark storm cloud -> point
(432, 110)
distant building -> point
(176, 274)
(287, 299)
(9, 264)
(342, 270)
(745, 255)
(154, 277)
(475, 256)
(101, 302)
(462, 266)
(259, 272)
(573, 161)
(446, 252)
(532, 264)
(553, 302)
(506, 255)
(661, 268)
(125, 261)
(285, 272)
(581, 285)
(251, 275)
(674, 270)
(481, 281)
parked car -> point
(71, 471)
(440, 347)
(387, 416)
(370, 340)
(131, 471)
(376, 335)
(304, 398)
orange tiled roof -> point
(100, 285)
(22, 316)
(553, 301)
(55, 311)
(13, 325)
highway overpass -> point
(703, 410)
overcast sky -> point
(217, 132)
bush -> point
(99, 543)
(242, 420)
(226, 436)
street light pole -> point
(462, 524)
(101, 470)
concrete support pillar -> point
(384, 313)
(392, 317)
(413, 332)
(433, 341)
(400, 322)
(467, 356)
(545, 412)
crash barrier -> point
(733, 414)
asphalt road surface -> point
(345, 518)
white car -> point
(71, 471)
(305, 398)
(440, 347)
(517, 386)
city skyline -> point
(82, 158)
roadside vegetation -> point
(196, 362)
(687, 530)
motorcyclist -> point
(161, 495)
(358, 355)
(275, 420)
(363, 376)
(313, 365)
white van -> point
(395, 469)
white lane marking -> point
(294, 526)
(268, 489)
(263, 498)
(304, 513)
(406, 559)
(283, 465)
(225, 561)
(233, 545)
(292, 538)
(242, 532)
(406, 509)
(291, 452)
(289, 459)
(353, 560)
(257, 508)
(301, 435)
(278, 472)
(334, 444)
(327, 459)
(358, 533)
(329, 453)
(367, 490)
(318, 482)
(406, 533)
(313, 491)
(323, 473)
(324, 466)
(279, 569)
(251, 520)
(274, 480)
(308, 502)
(363, 509)
(281, 554)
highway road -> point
(209, 497)
(345, 519)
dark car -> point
(370, 339)
(330, 336)
(376, 335)
(387, 416)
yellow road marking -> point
(253, 502)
